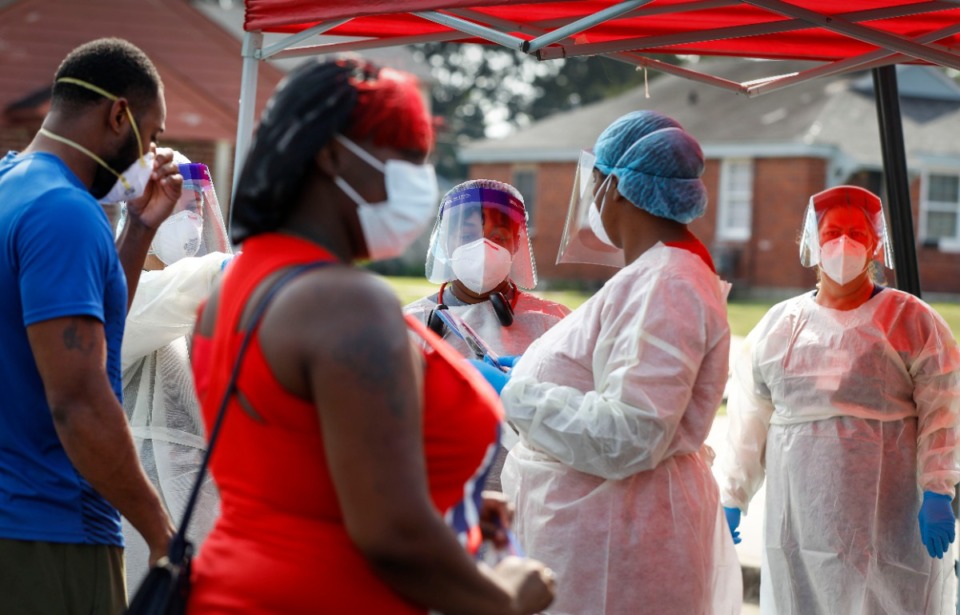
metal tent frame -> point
(863, 34)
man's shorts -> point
(48, 578)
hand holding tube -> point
(496, 377)
(508, 360)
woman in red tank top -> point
(351, 459)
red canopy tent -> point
(847, 36)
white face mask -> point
(131, 183)
(390, 227)
(178, 237)
(596, 225)
(481, 265)
(843, 259)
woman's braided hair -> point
(316, 101)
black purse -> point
(166, 588)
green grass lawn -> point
(743, 315)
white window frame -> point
(927, 206)
(529, 204)
(727, 198)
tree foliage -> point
(484, 91)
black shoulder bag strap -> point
(181, 550)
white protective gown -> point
(611, 479)
(160, 399)
(853, 414)
(532, 317)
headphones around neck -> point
(501, 307)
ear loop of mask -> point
(366, 157)
(77, 146)
(363, 154)
(601, 190)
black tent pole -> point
(900, 213)
(898, 196)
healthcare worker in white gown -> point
(847, 399)
(611, 479)
(480, 255)
(188, 253)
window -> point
(525, 180)
(940, 206)
(736, 199)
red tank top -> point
(280, 545)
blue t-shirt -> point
(57, 259)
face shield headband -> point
(843, 196)
(495, 207)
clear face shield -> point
(849, 196)
(579, 242)
(196, 180)
(195, 227)
(481, 239)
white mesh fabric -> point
(158, 389)
(168, 433)
(159, 397)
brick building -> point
(198, 61)
(765, 157)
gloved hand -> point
(733, 520)
(507, 360)
(937, 523)
(226, 261)
(497, 378)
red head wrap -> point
(390, 111)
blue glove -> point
(733, 520)
(497, 378)
(937, 523)
(507, 360)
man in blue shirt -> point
(68, 466)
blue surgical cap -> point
(624, 132)
(660, 174)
